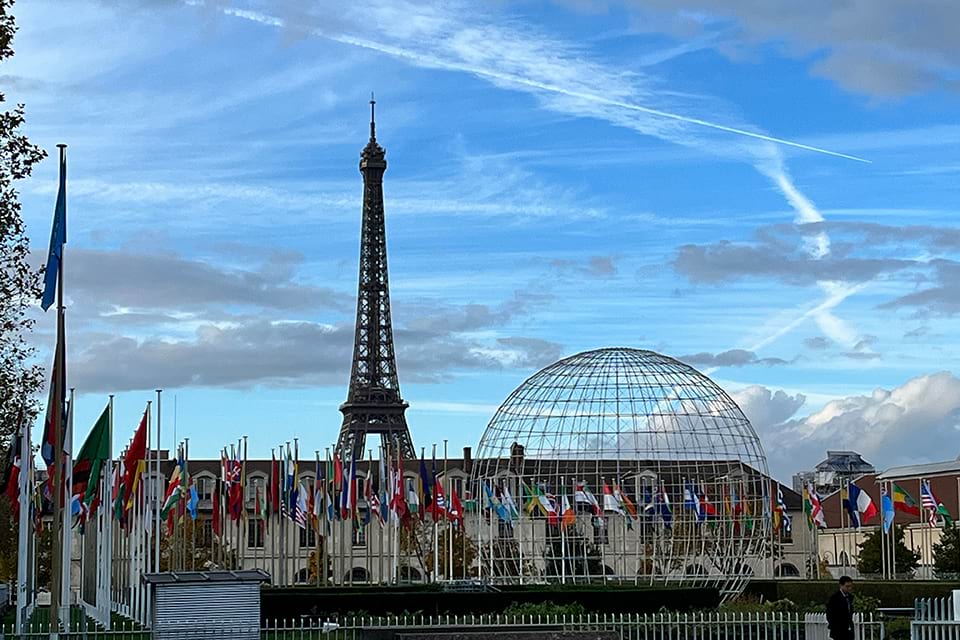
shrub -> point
(545, 608)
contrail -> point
(432, 61)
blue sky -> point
(764, 192)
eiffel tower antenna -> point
(374, 404)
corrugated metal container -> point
(206, 603)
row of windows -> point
(256, 535)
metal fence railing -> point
(661, 626)
(935, 619)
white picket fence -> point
(936, 618)
(665, 626)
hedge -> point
(889, 593)
(292, 602)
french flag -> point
(862, 502)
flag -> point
(55, 407)
(663, 507)
(352, 504)
(193, 501)
(816, 508)
(886, 506)
(439, 509)
(494, 504)
(568, 517)
(691, 501)
(582, 495)
(58, 238)
(787, 523)
(373, 505)
(11, 474)
(541, 502)
(413, 499)
(455, 513)
(933, 506)
(624, 501)
(944, 515)
(904, 502)
(172, 495)
(424, 496)
(649, 506)
(215, 525)
(136, 453)
(337, 470)
(94, 453)
(864, 503)
(610, 502)
(506, 499)
(706, 507)
(344, 496)
(398, 503)
(233, 487)
(117, 493)
(300, 516)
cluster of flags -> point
(860, 508)
(89, 467)
(654, 502)
(338, 494)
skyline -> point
(594, 199)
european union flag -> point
(58, 238)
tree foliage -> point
(20, 377)
(870, 560)
(20, 380)
(946, 554)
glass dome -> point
(622, 465)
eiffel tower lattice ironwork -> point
(373, 405)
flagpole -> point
(57, 559)
(23, 520)
(884, 545)
(892, 542)
(67, 538)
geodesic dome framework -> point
(622, 465)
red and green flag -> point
(172, 497)
(93, 455)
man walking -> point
(840, 611)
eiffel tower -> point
(373, 405)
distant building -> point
(839, 542)
(830, 474)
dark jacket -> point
(840, 616)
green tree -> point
(870, 559)
(20, 377)
(946, 554)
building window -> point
(308, 538)
(254, 483)
(456, 484)
(205, 488)
(359, 536)
(505, 529)
(254, 534)
(787, 570)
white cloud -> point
(918, 421)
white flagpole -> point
(24, 523)
(67, 538)
(157, 494)
(106, 558)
